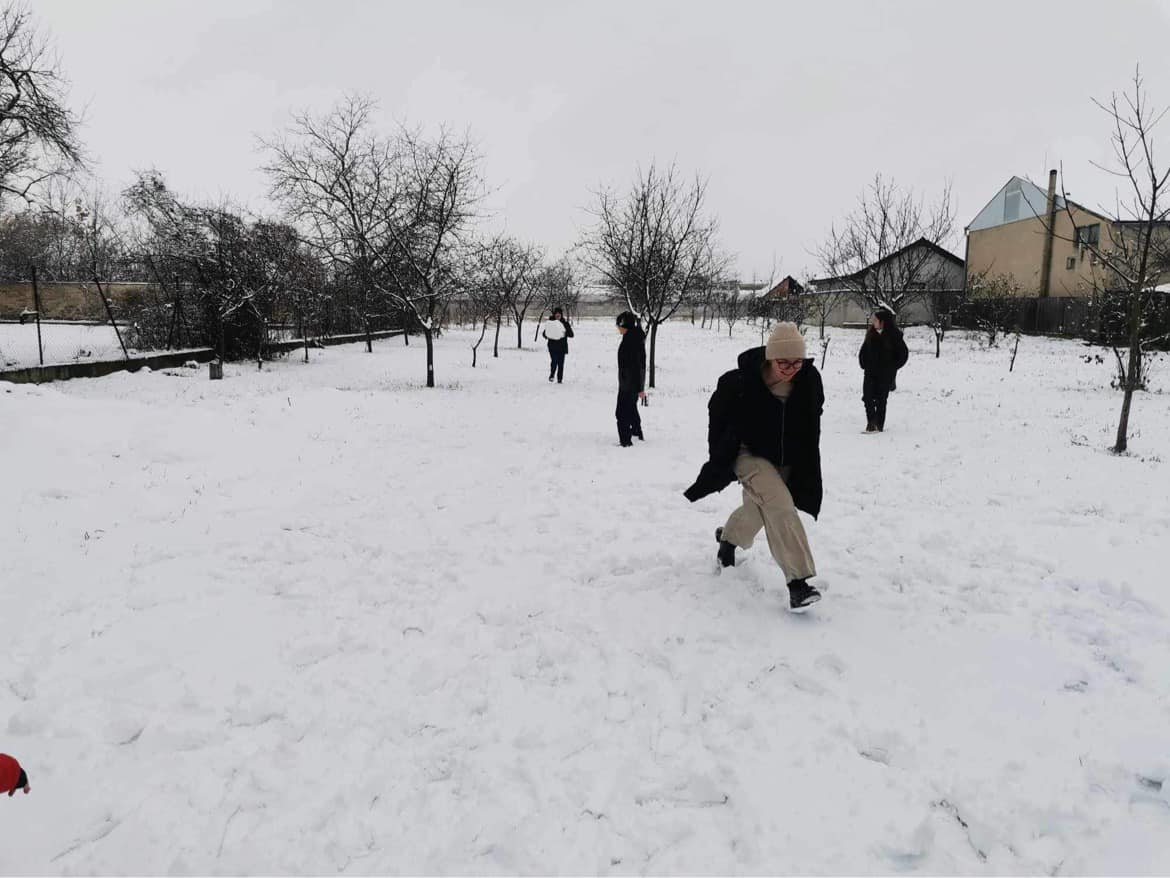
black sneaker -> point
(726, 553)
(801, 594)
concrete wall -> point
(96, 369)
(851, 311)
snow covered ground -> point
(62, 343)
(319, 619)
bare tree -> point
(733, 305)
(510, 268)
(940, 306)
(38, 132)
(654, 246)
(556, 284)
(333, 176)
(390, 212)
(871, 256)
(819, 304)
(236, 270)
(484, 292)
(993, 304)
(69, 234)
(484, 306)
(440, 185)
(1135, 254)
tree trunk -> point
(1132, 378)
(496, 344)
(405, 327)
(429, 335)
(475, 347)
(653, 349)
(519, 337)
(536, 335)
(938, 344)
(369, 338)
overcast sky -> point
(788, 108)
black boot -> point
(801, 594)
(726, 553)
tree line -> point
(377, 230)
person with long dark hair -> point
(557, 331)
(631, 378)
(882, 354)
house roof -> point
(1019, 199)
(788, 286)
(921, 242)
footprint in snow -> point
(831, 663)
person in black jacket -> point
(557, 331)
(631, 378)
(764, 430)
(882, 354)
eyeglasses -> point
(788, 364)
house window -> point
(1070, 263)
(1011, 206)
(1089, 235)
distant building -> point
(1011, 238)
(787, 289)
(917, 274)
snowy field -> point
(318, 619)
(62, 343)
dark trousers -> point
(875, 407)
(874, 393)
(557, 365)
(629, 422)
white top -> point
(554, 330)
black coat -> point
(561, 345)
(882, 354)
(632, 361)
(742, 411)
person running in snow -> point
(631, 378)
(882, 354)
(558, 331)
(764, 430)
(12, 776)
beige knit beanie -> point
(785, 343)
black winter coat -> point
(882, 354)
(742, 411)
(632, 361)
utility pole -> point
(1049, 234)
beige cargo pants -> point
(767, 504)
